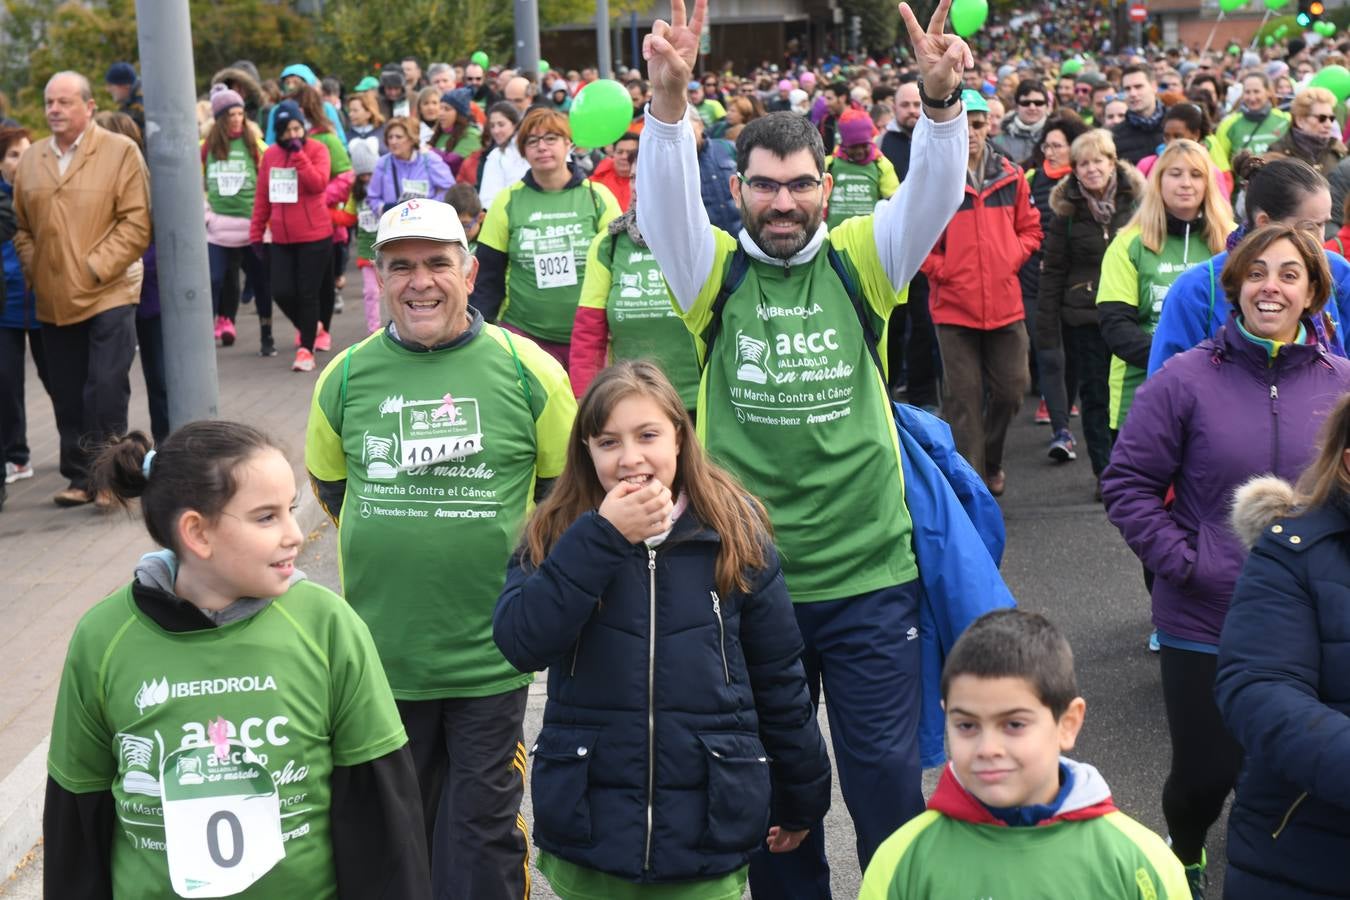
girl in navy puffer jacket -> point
(678, 727)
(1283, 682)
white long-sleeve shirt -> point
(675, 224)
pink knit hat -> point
(223, 100)
(855, 127)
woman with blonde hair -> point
(1182, 220)
(1312, 137)
(365, 119)
(1089, 207)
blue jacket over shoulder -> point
(700, 711)
(1283, 687)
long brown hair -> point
(311, 105)
(715, 496)
(1326, 475)
(218, 141)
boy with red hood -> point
(1011, 817)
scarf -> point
(1256, 115)
(873, 151)
(1018, 129)
(1146, 123)
(628, 223)
(1055, 173)
(1235, 237)
(1309, 145)
(1103, 208)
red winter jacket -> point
(294, 223)
(621, 188)
(972, 272)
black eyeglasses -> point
(1030, 102)
(1323, 118)
(767, 187)
(470, 80)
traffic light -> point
(1309, 11)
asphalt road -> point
(1063, 559)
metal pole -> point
(527, 38)
(164, 32)
(633, 40)
(602, 48)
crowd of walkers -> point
(1143, 245)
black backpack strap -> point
(737, 266)
(859, 308)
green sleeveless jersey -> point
(792, 403)
(857, 189)
(231, 183)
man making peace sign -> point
(786, 316)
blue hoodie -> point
(1196, 306)
(19, 307)
(312, 80)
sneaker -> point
(323, 341)
(1061, 448)
(72, 496)
(1197, 879)
(1153, 645)
(227, 332)
(1073, 411)
(1042, 413)
(268, 347)
(997, 483)
(219, 320)
(17, 472)
(304, 361)
(337, 303)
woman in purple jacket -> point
(1248, 401)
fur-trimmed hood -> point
(1067, 197)
(1258, 504)
(242, 83)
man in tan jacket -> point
(82, 198)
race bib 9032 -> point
(553, 270)
(222, 819)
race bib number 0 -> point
(416, 189)
(366, 219)
(554, 270)
(284, 186)
(222, 820)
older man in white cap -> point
(427, 443)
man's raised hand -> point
(941, 57)
(670, 51)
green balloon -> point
(479, 58)
(601, 112)
(1317, 27)
(1071, 67)
(1230, 5)
(968, 16)
(544, 67)
(1281, 31)
(1335, 79)
(1276, 4)
(1324, 28)
(1270, 41)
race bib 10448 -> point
(553, 270)
(283, 186)
(222, 819)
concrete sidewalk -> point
(56, 563)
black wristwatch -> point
(939, 104)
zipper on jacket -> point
(651, 701)
(1274, 424)
(1186, 247)
(721, 635)
(576, 651)
(1289, 815)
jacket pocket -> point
(738, 792)
(562, 763)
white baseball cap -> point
(428, 220)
